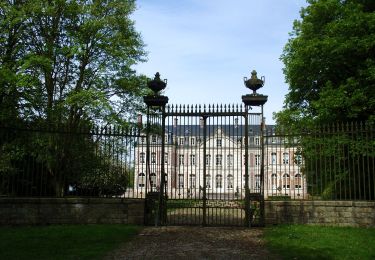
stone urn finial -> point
(254, 83)
(157, 84)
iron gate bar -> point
(162, 192)
(247, 191)
(204, 223)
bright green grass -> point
(318, 242)
(62, 242)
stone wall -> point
(335, 213)
(43, 211)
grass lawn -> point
(319, 242)
(62, 242)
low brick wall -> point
(42, 211)
(333, 213)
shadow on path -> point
(195, 243)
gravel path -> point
(195, 243)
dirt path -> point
(195, 243)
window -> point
(153, 138)
(181, 141)
(208, 159)
(181, 159)
(285, 158)
(192, 141)
(192, 159)
(166, 158)
(218, 142)
(141, 179)
(153, 180)
(230, 181)
(257, 141)
(166, 139)
(192, 180)
(180, 180)
(153, 157)
(257, 159)
(273, 158)
(274, 181)
(286, 181)
(219, 181)
(229, 160)
(208, 181)
(219, 160)
(142, 157)
(257, 181)
(298, 159)
(142, 139)
(298, 181)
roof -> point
(228, 130)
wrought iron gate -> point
(211, 160)
(204, 164)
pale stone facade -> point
(224, 163)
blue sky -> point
(205, 47)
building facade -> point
(215, 161)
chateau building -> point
(216, 161)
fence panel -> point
(98, 162)
(333, 162)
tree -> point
(69, 62)
(330, 68)
(65, 64)
(330, 64)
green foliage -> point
(48, 163)
(330, 68)
(317, 242)
(330, 64)
(67, 61)
(66, 65)
(337, 161)
(63, 242)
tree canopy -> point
(330, 64)
(69, 62)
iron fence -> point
(98, 162)
(335, 162)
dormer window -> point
(218, 142)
